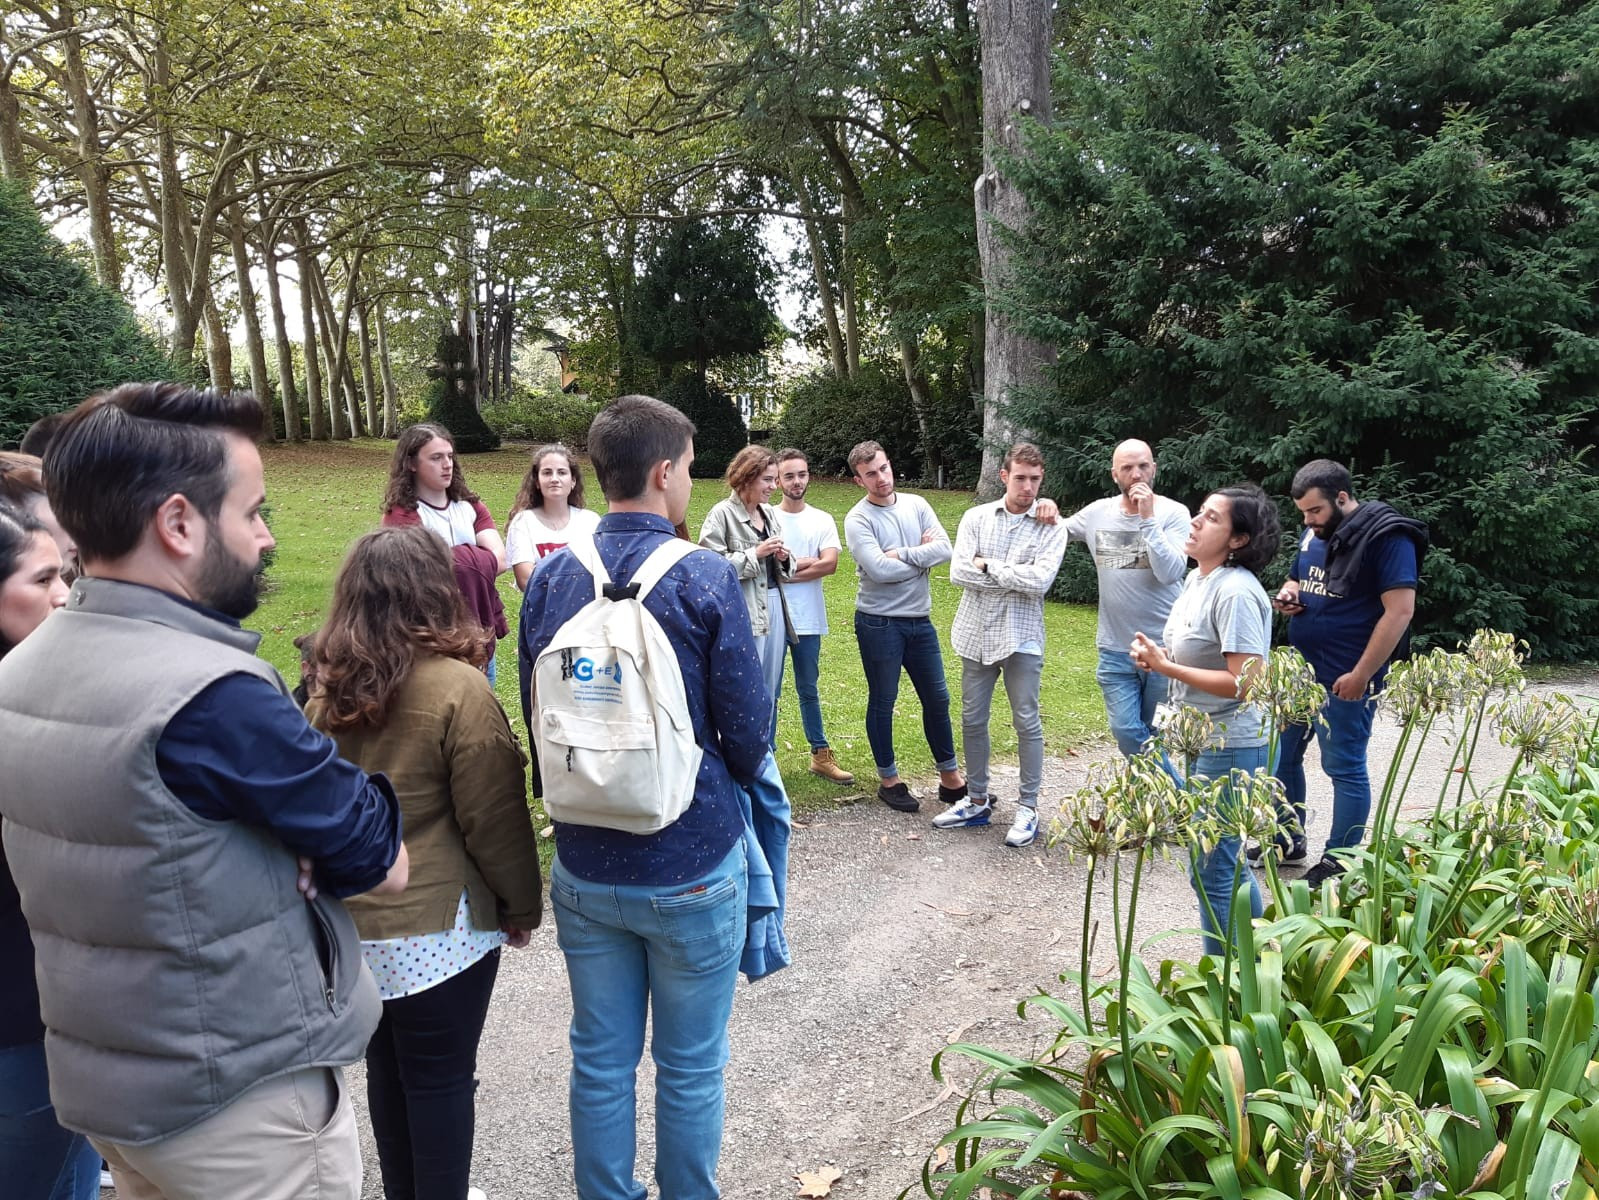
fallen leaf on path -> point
(819, 1182)
(954, 1035)
(884, 839)
(941, 1158)
(949, 1090)
(1054, 937)
(948, 912)
(913, 837)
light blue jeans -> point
(1130, 699)
(1023, 674)
(1343, 741)
(39, 1160)
(1216, 871)
(672, 953)
(772, 646)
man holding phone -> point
(1350, 597)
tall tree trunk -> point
(218, 348)
(13, 162)
(910, 360)
(90, 168)
(852, 322)
(824, 279)
(333, 355)
(1015, 36)
(313, 364)
(288, 392)
(369, 391)
(391, 416)
(254, 346)
(336, 337)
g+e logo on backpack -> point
(585, 669)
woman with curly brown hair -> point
(397, 686)
(548, 511)
(428, 488)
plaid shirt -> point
(1002, 609)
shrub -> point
(825, 416)
(62, 335)
(542, 416)
(1421, 1025)
(451, 396)
(719, 430)
(1268, 233)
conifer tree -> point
(1270, 231)
(62, 335)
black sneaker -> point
(1328, 868)
(952, 795)
(899, 798)
(1289, 854)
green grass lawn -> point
(324, 495)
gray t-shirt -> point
(1225, 612)
(895, 587)
(1140, 564)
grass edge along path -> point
(324, 495)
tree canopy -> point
(1267, 232)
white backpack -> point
(613, 736)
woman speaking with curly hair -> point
(398, 686)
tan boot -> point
(823, 764)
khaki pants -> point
(290, 1138)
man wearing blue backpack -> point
(649, 922)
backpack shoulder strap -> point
(586, 552)
(661, 560)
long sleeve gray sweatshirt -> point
(895, 587)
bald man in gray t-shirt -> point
(1136, 539)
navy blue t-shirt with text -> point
(1333, 631)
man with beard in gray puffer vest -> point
(178, 834)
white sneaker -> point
(473, 1193)
(105, 1179)
(1023, 829)
(963, 815)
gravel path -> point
(905, 939)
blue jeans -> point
(1217, 871)
(770, 646)
(1023, 674)
(807, 654)
(670, 952)
(1343, 741)
(39, 1160)
(887, 644)
(1130, 699)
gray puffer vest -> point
(178, 964)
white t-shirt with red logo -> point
(529, 539)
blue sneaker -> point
(965, 815)
(1024, 829)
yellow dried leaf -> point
(818, 1183)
